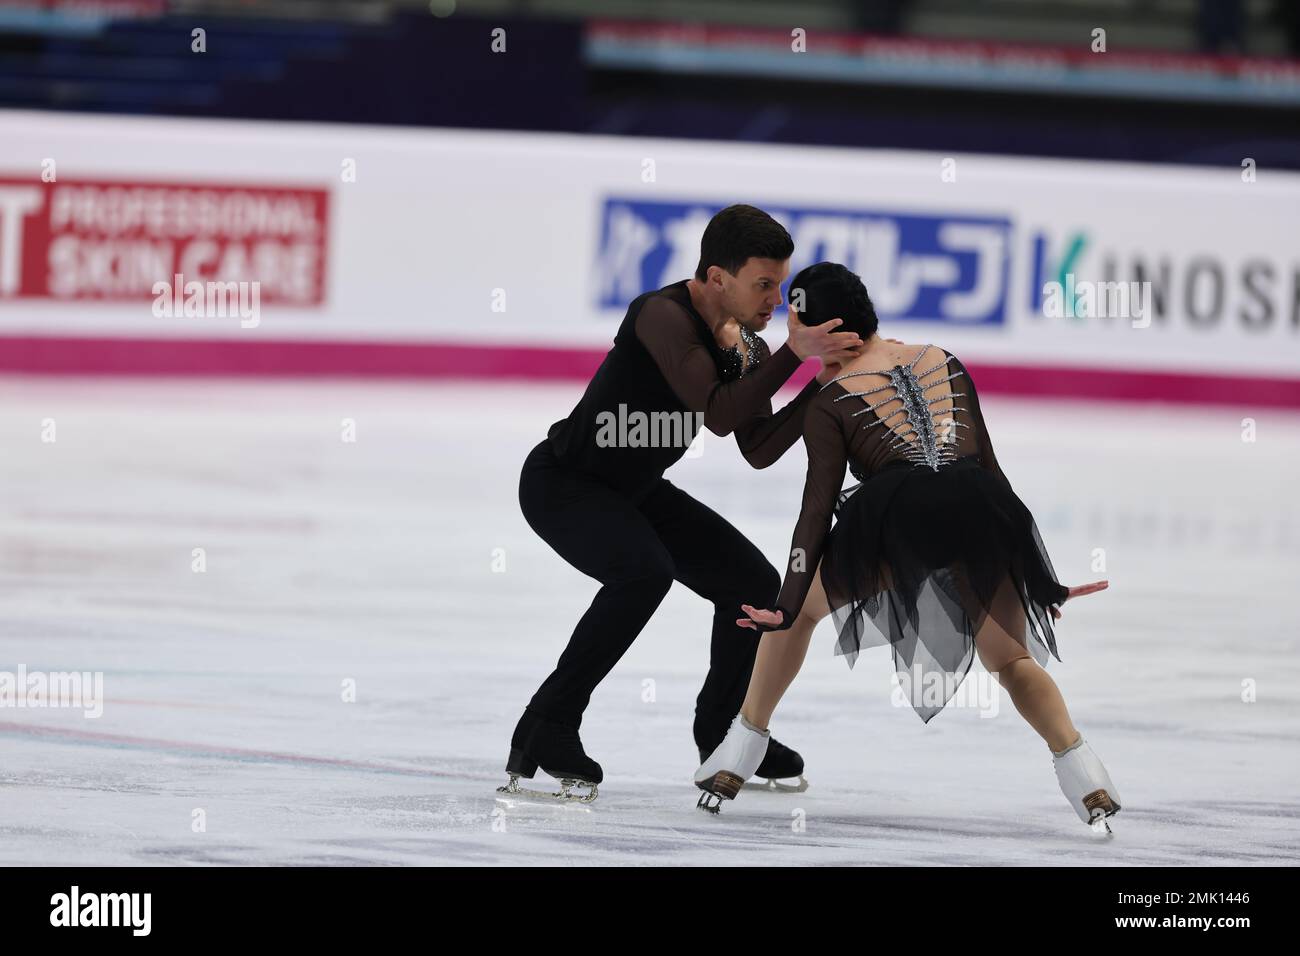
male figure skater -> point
(684, 355)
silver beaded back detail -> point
(921, 441)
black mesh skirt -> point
(922, 559)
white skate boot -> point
(1086, 785)
(731, 764)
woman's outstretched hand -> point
(1079, 591)
(770, 619)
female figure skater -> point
(932, 551)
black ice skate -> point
(779, 766)
(557, 749)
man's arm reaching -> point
(672, 338)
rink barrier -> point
(49, 355)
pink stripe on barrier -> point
(221, 357)
(119, 356)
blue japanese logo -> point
(936, 268)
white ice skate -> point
(731, 764)
(1086, 785)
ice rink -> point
(399, 565)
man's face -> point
(754, 292)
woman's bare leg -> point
(1031, 688)
(1039, 701)
(780, 655)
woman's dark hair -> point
(828, 291)
(738, 233)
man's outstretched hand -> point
(821, 341)
(1080, 591)
(770, 619)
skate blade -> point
(719, 787)
(1101, 808)
(776, 786)
(564, 795)
(1101, 827)
(710, 803)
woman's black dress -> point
(931, 542)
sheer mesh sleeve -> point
(827, 463)
(766, 438)
(986, 456)
(672, 338)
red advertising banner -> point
(114, 240)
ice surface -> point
(376, 561)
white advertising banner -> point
(351, 233)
